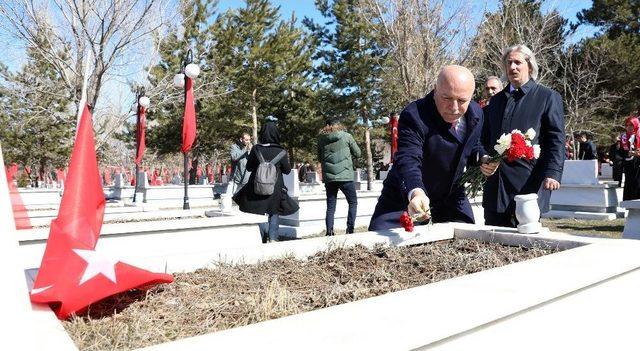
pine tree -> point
(37, 114)
(351, 65)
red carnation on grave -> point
(406, 222)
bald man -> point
(437, 136)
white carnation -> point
(516, 131)
(536, 151)
(503, 144)
(530, 134)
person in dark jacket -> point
(523, 104)
(587, 148)
(630, 143)
(438, 136)
(274, 205)
(336, 150)
(616, 159)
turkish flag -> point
(20, 214)
(140, 127)
(189, 120)
(73, 274)
(394, 137)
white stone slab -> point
(24, 326)
(580, 215)
(632, 223)
(430, 315)
(141, 239)
(606, 171)
(143, 213)
(313, 208)
(580, 172)
(598, 198)
(292, 183)
(33, 197)
(591, 319)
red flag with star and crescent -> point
(73, 274)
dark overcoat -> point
(430, 156)
(532, 106)
(277, 203)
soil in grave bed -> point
(229, 296)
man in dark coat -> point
(278, 203)
(587, 148)
(523, 104)
(438, 135)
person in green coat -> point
(336, 150)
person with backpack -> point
(336, 151)
(265, 192)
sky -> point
(13, 55)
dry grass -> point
(235, 295)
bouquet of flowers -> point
(510, 146)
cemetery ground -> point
(597, 228)
(233, 295)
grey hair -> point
(528, 56)
(495, 78)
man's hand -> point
(488, 169)
(419, 204)
(551, 184)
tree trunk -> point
(367, 146)
(254, 116)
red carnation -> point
(406, 222)
(518, 147)
(529, 154)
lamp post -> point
(143, 103)
(189, 70)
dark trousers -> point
(349, 191)
(501, 219)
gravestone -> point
(606, 172)
(632, 222)
(292, 183)
(311, 177)
(119, 181)
(581, 195)
(581, 172)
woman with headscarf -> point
(278, 203)
(630, 142)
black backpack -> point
(266, 175)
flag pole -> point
(185, 204)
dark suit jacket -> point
(431, 156)
(588, 151)
(533, 106)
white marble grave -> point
(581, 195)
(606, 171)
(503, 299)
(632, 222)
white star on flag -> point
(97, 263)
(39, 290)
